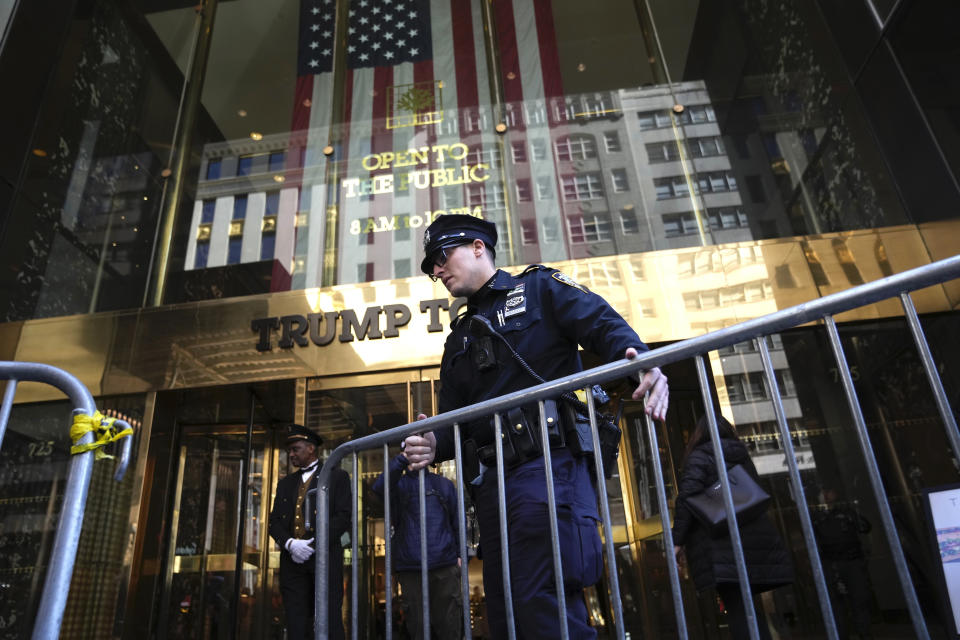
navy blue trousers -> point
(535, 601)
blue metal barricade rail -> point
(820, 310)
(56, 587)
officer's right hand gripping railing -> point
(820, 310)
(90, 432)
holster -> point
(520, 434)
(580, 439)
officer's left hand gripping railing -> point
(89, 433)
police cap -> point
(452, 230)
(298, 432)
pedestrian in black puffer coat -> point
(710, 559)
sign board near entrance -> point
(347, 325)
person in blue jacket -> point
(515, 331)
(443, 556)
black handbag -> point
(749, 500)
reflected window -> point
(474, 120)
(699, 300)
(575, 148)
(478, 155)
(550, 231)
(244, 165)
(785, 382)
(523, 191)
(671, 187)
(597, 105)
(401, 268)
(697, 114)
(206, 213)
(662, 151)
(619, 179)
(268, 242)
(628, 221)
(528, 232)
(499, 197)
(538, 148)
(365, 272)
(600, 274)
(273, 203)
(716, 182)
(544, 188)
(727, 218)
(518, 151)
(477, 196)
(588, 227)
(450, 197)
(275, 161)
(611, 142)
(203, 252)
(213, 169)
(513, 117)
(692, 114)
(564, 111)
(679, 224)
(240, 207)
(705, 147)
(587, 186)
(751, 386)
(233, 249)
(653, 119)
(753, 291)
(534, 112)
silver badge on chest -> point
(516, 302)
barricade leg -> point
(732, 527)
(799, 497)
(876, 483)
(672, 569)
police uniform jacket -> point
(544, 315)
(284, 512)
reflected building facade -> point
(213, 214)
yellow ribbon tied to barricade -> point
(103, 430)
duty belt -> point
(521, 435)
(566, 428)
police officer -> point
(538, 318)
(287, 528)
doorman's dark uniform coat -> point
(297, 580)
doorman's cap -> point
(452, 230)
(297, 432)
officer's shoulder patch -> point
(567, 280)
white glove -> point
(300, 549)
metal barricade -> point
(820, 310)
(56, 586)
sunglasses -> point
(441, 256)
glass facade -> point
(643, 128)
(176, 173)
